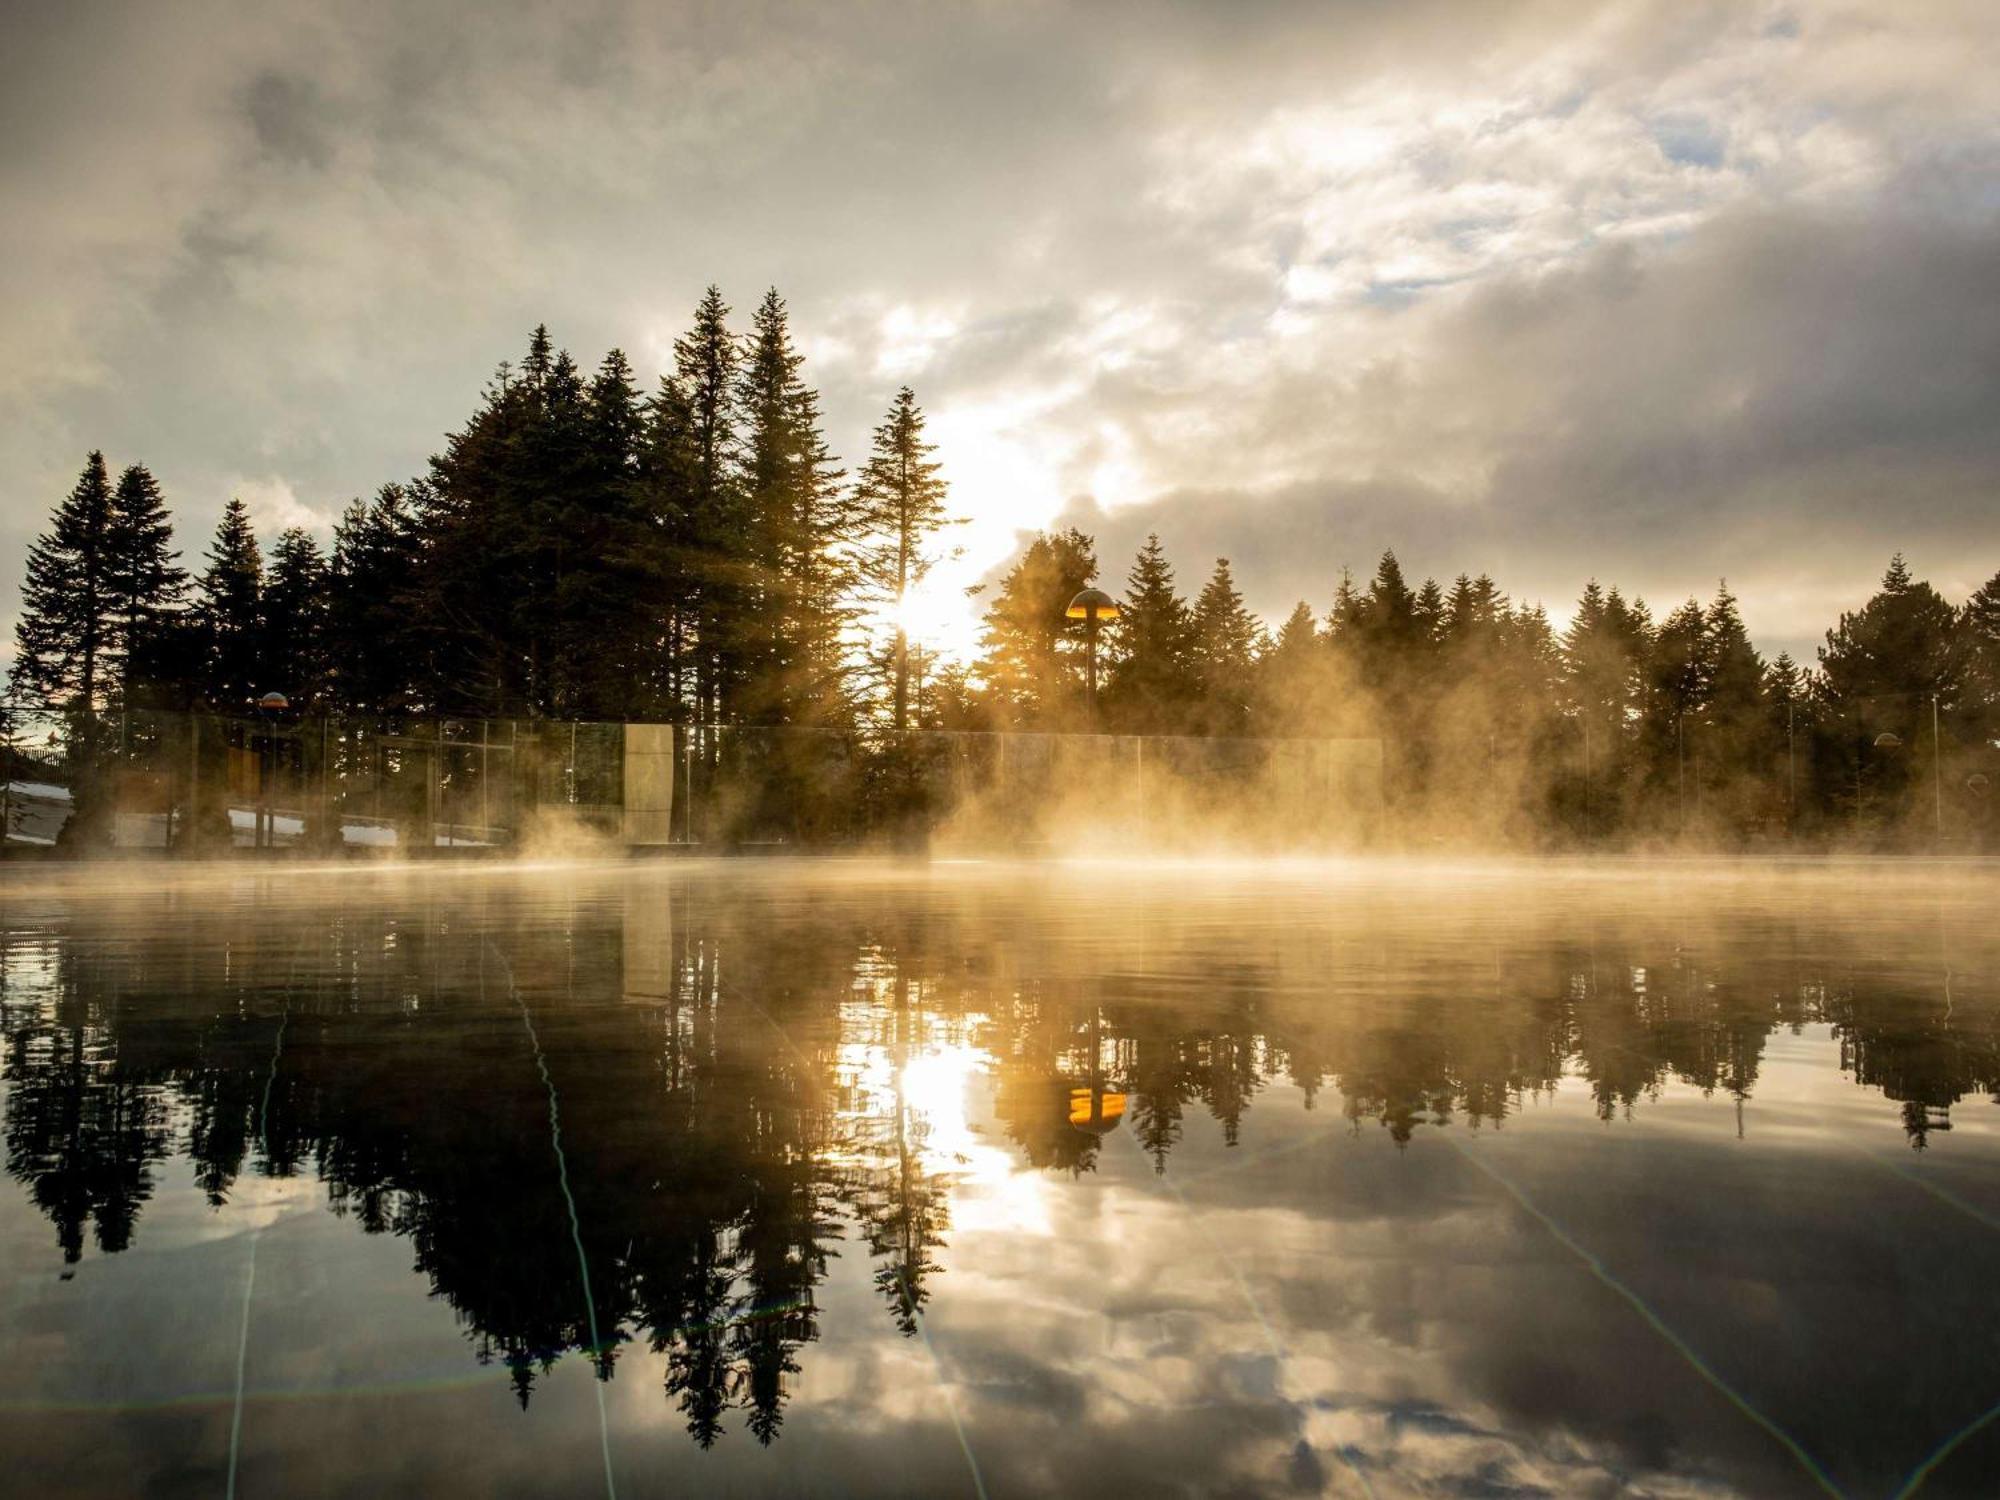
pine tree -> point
(1604, 653)
(1392, 632)
(900, 508)
(1788, 732)
(723, 575)
(1676, 676)
(1299, 634)
(1733, 747)
(668, 481)
(825, 579)
(800, 530)
(1895, 652)
(1979, 630)
(1391, 622)
(295, 607)
(376, 602)
(232, 589)
(1031, 658)
(1288, 672)
(1226, 640)
(602, 574)
(1733, 690)
(766, 405)
(148, 585)
(1346, 616)
(552, 474)
(1429, 612)
(476, 564)
(1150, 687)
(518, 566)
(67, 638)
(1880, 671)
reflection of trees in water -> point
(83, 1131)
(751, 1098)
(1924, 1049)
(896, 1193)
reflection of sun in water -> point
(989, 1188)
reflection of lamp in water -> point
(1090, 606)
(1096, 1109)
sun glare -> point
(937, 616)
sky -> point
(1657, 293)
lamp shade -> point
(1092, 604)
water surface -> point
(769, 1179)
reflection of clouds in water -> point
(839, 1135)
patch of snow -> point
(41, 791)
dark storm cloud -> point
(1783, 399)
(1651, 291)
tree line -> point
(578, 550)
(697, 554)
(1496, 724)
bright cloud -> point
(1642, 289)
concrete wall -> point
(649, 784)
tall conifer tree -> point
(900, 501)
(375, 593)
(1031, 662)
(67, 637)
(1225, 644)
(66, 640)
(295, 618)
(232, 587)
(799, 530)
(705, 365)
(149, 585)
(1979, 629)
(1150, 687)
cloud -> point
(1783, 399)
(274, 506)
(1348, 274)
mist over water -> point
(876, 1178)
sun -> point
(936, 616)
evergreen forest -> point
(582, 548)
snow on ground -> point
(42, 791)
(149, 830)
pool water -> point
(776, 1178)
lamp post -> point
(1091, 606)
(270, 705)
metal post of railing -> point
(434, 785)
(687, 767)
(329, 835)
(1586, 774)
(262, 838)
(1681, 761)
(1937, 769)
(6, 773)
(1791, 772)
